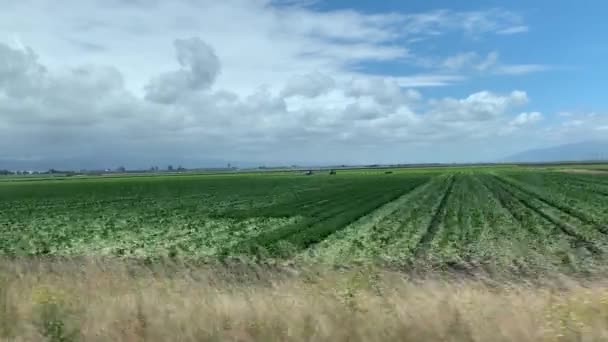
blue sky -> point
(102, 83)
(566, 36)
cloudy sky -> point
(101, 83)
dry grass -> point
(117, 301)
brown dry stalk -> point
(116, 301)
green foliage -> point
(460, 218)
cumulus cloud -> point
(273, 84)
(263, 43)
(199, 69)
(309, 85)
(364, 110)
(526, 118)
(385, 91)
(87, 112)
(480, 106)
(74, 97)
(19, 70)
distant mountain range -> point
(589, 150)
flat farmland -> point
(509, 217)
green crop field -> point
(515, 217)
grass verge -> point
(118, 300)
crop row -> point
(474, 217)
(327, 217)
(518, 219)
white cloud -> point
(480, 106)
(200, 68)
(488, 62)
(18, 70)
(87, 112)
(270, 83)
(460, 60)
(471, 22)
(526, 118)
(520, 69)
(465, 61)
(257, 41)
(310, 85)
(472, 61)
(577, 126)
(383, 91)
(514, 30)
(427, 80)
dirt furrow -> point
(558, 206)
(438, 216)
(563, 227)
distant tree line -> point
(119, 169)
